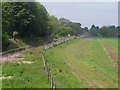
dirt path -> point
(112, 54)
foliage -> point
(5, 41)
(76, 27)
(64, 31)
(27, 18)
(7, 44)
(105, 31)
(53, 25)
(85, 29)
(118, 31)
(94, 30)
(57, 27)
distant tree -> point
(112, 27)
(76, 28)
(93, 26)
(85, 29)
(64, 31)
(63, 21)
(94, 30)
(118, 31)
(105, 31)
(114, 30)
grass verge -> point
(25, 75)
(81, 63)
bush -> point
(5, 42)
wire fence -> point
(49, 75)
(46, 68)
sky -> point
(87, 13)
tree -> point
(85, 29)
(27, 18)
(76, 27)
(118, 31)
(64, 31)
(63, 21)
(53, 25)
(105, 31)
(94, 31)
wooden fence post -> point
(51, 83)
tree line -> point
(31, 19)
(105, 31)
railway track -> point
(10, 54)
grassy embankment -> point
(81, 63)
(25, 75)
(22, 42)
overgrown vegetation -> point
(7, 44)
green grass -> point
(0, 76)
(112, 42)
(25, 75)
(81, 63)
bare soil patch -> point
(27, 62)
(112, 54)
(7, 77)
(11, 58)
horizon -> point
(86, 13)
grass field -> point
(78, 63)
(82, 63)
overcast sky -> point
(86, 13)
